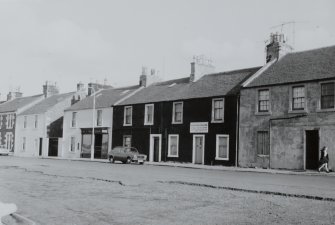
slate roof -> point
(17, 103)
(44, 105)
(211, 85)
(316, 64)
(105, 98)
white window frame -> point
(124, 116)
(36, 121)
(99, 125)
(291, 92)
(74, 119)
(146, 122)
(173, 113)
(169, 146)
(221, 120)
(72, 144)
(217, 147)
(25, 121)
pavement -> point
(213, 167)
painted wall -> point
(287, 136)
(84, 120)
(194, 110)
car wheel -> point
(141, 163)
(128, 160)
(111, 159)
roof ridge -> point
(310, 50)
(231, 72)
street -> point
(50, 191)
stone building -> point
(287, 111)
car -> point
(126, 155)
(4, 151)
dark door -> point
(97, 146)
(41, 145)
(53, 146)
(156, 149)
(312, 149)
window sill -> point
(222, 159)
(173, 156)
(263, 156)
(217, 121)
(263, 113)
(177, 122)
(127, 125)
(148, 124)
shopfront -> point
(100, 142)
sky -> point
(71, 41)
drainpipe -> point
(237, 130)
(283, 118)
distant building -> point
(287, 110)
(39, 128)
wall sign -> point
(199, 127)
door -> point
(41, 146)
(155, 147)
(97, 146)
(312, 149)
(53, 147)
(198, 149)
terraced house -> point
(9, 110)
(287, 110)
(192, 119)
(39, 128)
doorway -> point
(40, 147)
(53, 147)
(198, 149)
(312, 149)
(155, 147)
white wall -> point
(84, 120)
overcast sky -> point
(68, 41)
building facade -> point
(192, 119)
(287, 112)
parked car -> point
(4, 151)
(126, 155)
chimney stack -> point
(50, 89)
(200, 67)
(13, 94)
(80, 86)
(277, 47)
(143, 77)
(146, 80)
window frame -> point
(24, 143)
(72, 144)
(217, 157)
(174, 112)
(74, 116)
(125, 116)
(124, 137)
(146, 122)
(268, 143)
(25, 122)
(36, 121)
(169, 146)
(268, 100)
(320, 98)
(213, 110)
(292, 98)
(99, 119)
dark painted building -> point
(192, 119)
(287, 110)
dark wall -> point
(194, 110)
(55, 129)
(4, 129)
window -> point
(173, 145)
(298, 98)
(149, 114)
(327, 95)
(177, 112)
(9, 140)
(217, 110)
(74, 119)
(263, 143)
(263, 101)
(128, 111)
(222, 147)
(23, 144)
(99, 117)
(25, 122)
(73, 144)
(10, 121)
(127, 140)
(36, 121)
